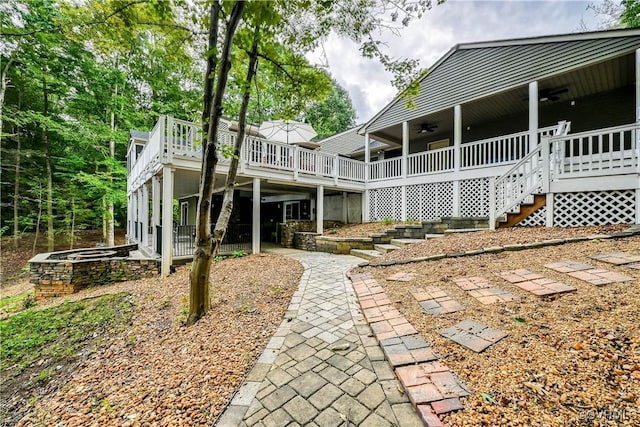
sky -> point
(445, 25)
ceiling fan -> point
(427, 127)
(551, 94)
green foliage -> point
(61, 331)
(238, 254)
(630, 17)
(333, 115)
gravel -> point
(162, 373)
(576, 358)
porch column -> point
(155, 209)
(129, 216)
(457, 156)
(637, 85)
(320, 209)
(145, 214)
(533, 115)
(365, 193)
(549, 213)
(136, 214)
(345, 207)
(255, 218)
(405, 169)
(167, 220)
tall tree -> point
(332, 115)
(630, 17)
(284, 32)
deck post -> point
(492, 203)
(365, 193)
(167, 220)
(637, 85)
(145, 215)
(136, 215)
(404, 168)
(345, 207)
(155, 209)
(255, 218)
(533, 115)
(457, 157)
(638, 203)
(546, 164)
(320, 209)
(296, 162)
(549, 208)
(166, 136)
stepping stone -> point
(435, 301)
(635, 265)
(520, 275)
(472, 283)
(568, 266)
(430, 382)
(600, 277)
(618, 258)
(432, 236)
(404, 242)
(473, 335)
(402, 277)
(407, 350)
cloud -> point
(438, 31)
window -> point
(291, 211)
(184, 213)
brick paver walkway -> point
(323, 367)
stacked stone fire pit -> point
(67, 272)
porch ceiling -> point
(598, 78)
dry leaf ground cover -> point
(157, 372)
(573, 359)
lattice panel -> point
(429, 201)
(594, 208)
(385, 203)
(539, 217)
(474, 197)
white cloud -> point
(439, 30)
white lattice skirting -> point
(429, 201)
(474, 197)
(385, 203)
(594, 208)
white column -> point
(145, 214)
(405, 169)
(638, 85)
(129, 216)
(319, 209)
(549, 207)
(533, 115)
(255, 218)
(365, 194)
(155, 210)
(457, 156)
(345, 207)
(167, 220)
(136, 232)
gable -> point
(473, 71)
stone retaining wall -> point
(305, 240)
(289, 230)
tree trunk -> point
(227, 202)
(72, 223)
(47, 160)
(212, 62)
(110, 238)
(16, 192)
(203, 255)
(35, 239)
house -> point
(537, 131)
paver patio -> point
(433, 300)
(534, 283)
(323, 367)
(481, 289)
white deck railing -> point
(601, 152)
(385, 169)
(433, 161)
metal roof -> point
(136, 134)
(475, 70)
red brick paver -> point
(600, 277)
(473, 335)
(520, 275)
(568, 266)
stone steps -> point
(367, 254)
(385, 248)
(432, 236)
(462, 230)
(404, 242)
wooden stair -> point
(526, 209)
